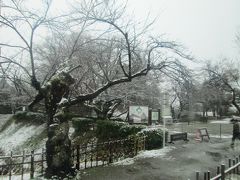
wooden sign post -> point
(201, 133)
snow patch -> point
(63, 101)
(162, 153)
(155, 153)
(17, 177)
(223, 121)
(153, 128)
(125, 162)
(222, 136)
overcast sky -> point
(205, 27)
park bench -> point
(178, 137)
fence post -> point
(85, 157)
(136, 145)
(103, 154)
(233, 165)
(218, 170)
(208, 175)
(110, 152)
(141, 139)
(10, 166)
(229, 164)
(144, 143)
(91, 154)
(205, 175)
(97, 154)
(78, 158)
(223, 172)
(42, 161)
(32, 165)
(197, 175)
(23, 159)
(237, 160)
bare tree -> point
(225, 76)
(122, 54)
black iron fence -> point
(100, 154)
(22, 165)
(28, 165)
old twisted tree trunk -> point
(58, 145)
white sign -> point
(155, 116)
(138, 114)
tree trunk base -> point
(58, 149)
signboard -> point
(201, 133)
(138, 114)
(155, 116)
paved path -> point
(178, 164)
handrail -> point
(222, 174)
(232, 168)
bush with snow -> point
(82, 125)
(112, 130)
(154, 138)
(30, 117)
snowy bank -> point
(16, 135)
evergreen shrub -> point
(154, 138)
(29, 117)
(112, 130)
(82, 125)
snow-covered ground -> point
(147, 154)
(16, 134)
(222, 121)
(18, 177)
(15, 177)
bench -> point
(178, 137)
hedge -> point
(154, 138)
(82, 125)
(111, 130)
(29, 117)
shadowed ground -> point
(180, 163)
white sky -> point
(206, 27)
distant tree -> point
(182, 89)
(212, 99)
(225, 76)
